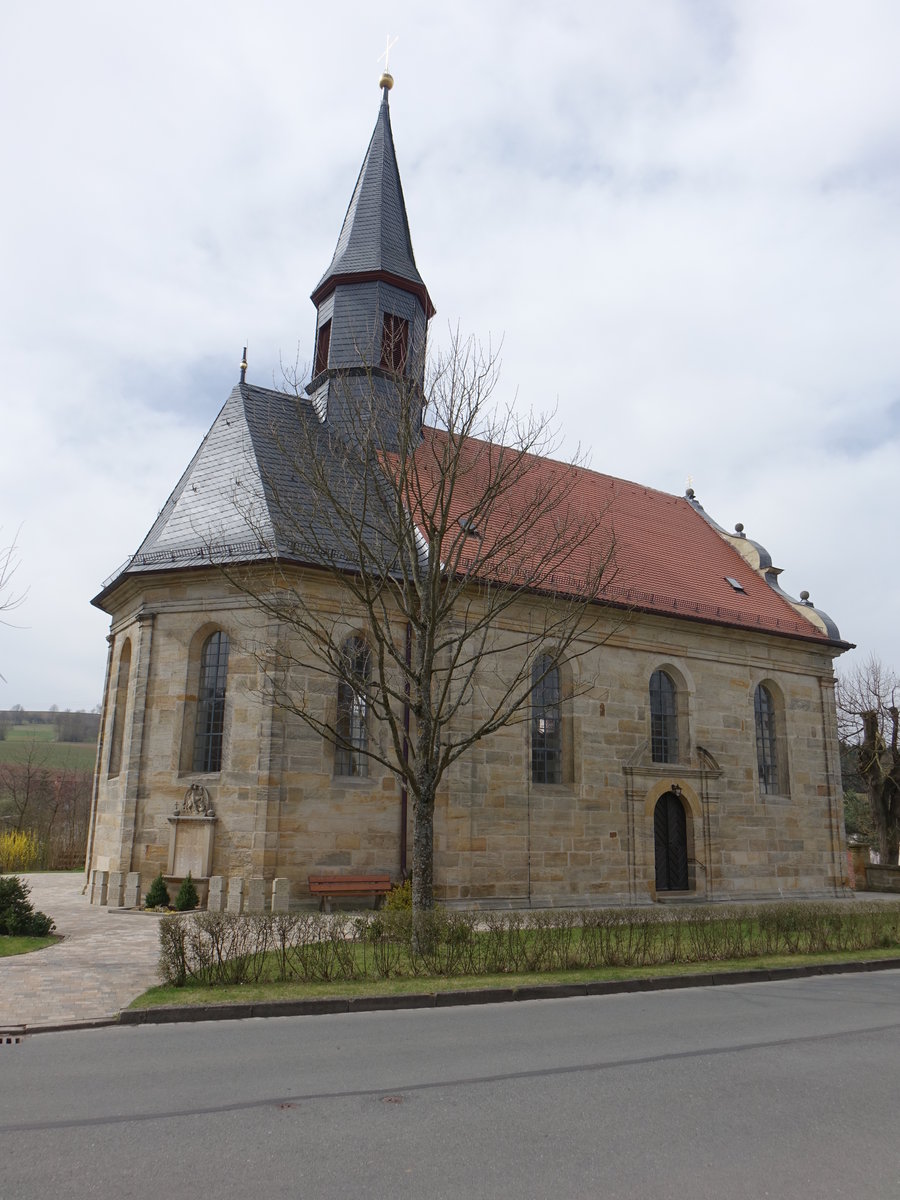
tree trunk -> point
(423, 854)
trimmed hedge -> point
(224, 948)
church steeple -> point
(372, 304)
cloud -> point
(680, 217)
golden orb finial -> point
(387, 80)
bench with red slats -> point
(337, 887)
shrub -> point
(17, 914)
(222, 948)
(19, 850)
(399, 898)
(158, 896)
(187, 897)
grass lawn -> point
(23, 945)
(193, 993)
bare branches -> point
(456, 549)
(869, 717)
(9, 564)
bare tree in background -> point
(869, 716)
(9, 600)
(458, 555)
(9, 564)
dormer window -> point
(323, 342)
(394, 343)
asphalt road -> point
(781, 1089)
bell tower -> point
(372, 306)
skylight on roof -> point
(734, 583)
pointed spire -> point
(375, 241)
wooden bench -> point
(335, 887)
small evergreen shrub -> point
(158, 895)
(187, 897)
(18, 917)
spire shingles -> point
(375, 238)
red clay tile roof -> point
(667, 558)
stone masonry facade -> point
(501, 841)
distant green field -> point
(22, 739)
(31, 733)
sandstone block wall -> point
(499, 839)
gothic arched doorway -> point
(670, 839)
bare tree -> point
(9, 600)
(464, 566)
(26, 785)
(9, 564)
(869, 716)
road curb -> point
(548, 991)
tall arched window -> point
(211, 704)
(663, 719)
(546, 722)
(120, 703)
(766, 741)
(353, 711)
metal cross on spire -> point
(387, 52)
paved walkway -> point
(104, 960)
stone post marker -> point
(235, 893)
(216, 900)
(114, 890)
(99, 887)
(132, 896)
(281, 895)
(256, 895)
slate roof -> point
(240, 500)
(375, 238)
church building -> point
(687, 750)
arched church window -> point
(353, 710)
(394, 343)
(210, 723)
(766, 740)
(546, 722)
(663, 718)
(119, 704)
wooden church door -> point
(670, 838)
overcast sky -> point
(680, 216)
